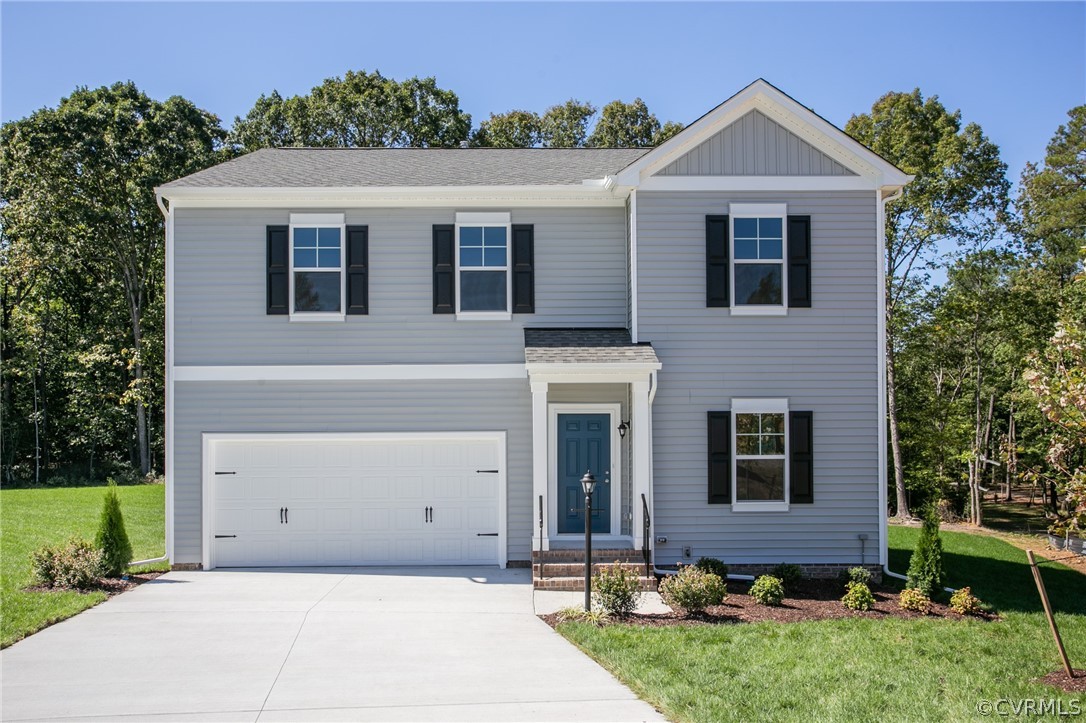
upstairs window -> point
(482, 261)
(316, 259)
(758, 268)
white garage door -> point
(355, 500)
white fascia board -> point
(590, 373)
(344, 372)
(762, 96)
(406, 196)
(757, 183)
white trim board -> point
(348, 372)
(614, 411)
(209, 439)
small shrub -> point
(693, 589)
(913, 599)
(788, 574)
(768, 590)
(964, 602)
(112, 539)
(926, 564)
(713, 566)
(858, 597)
(856, 574)
(617, 590)
(76, 565)
(579, 614)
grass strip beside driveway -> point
(33, 518)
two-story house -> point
(412, 356)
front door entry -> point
(584, 443)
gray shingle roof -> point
(585, 346)
(359, 167)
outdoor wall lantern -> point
(588, 484)
(623, 428)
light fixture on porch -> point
(623, 428)
(588, 484)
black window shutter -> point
(799, 261)
(720, 458)
(801, 448)
(444, 269)
(278, 269)
(358, 264)
(716, 261)
(523, 268)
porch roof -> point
(586, 346)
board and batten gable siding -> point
(410, 407)
(755, 145)
(824, 359)
(219, 281)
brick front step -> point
(573, 569)
(567, 556)
(577, 583)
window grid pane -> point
(317, 248)
(483, 247)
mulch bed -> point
(812, 600)
(109, 585)
(1059, 679)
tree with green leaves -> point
(513, 129)
(959, 196)
(566, 125)
(112, 538)
(360, 110)
(629, 125)
(81, 222)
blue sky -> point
(1015, 68)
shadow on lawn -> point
(1008, 585)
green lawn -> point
(32, 518)
(862, 669)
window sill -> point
(318, 318)
(759, 311)
(759, 507)
(484, 316)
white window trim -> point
(319, 220)
(758, 210)
(501, 220)
(764, 406)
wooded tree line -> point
(978, 278)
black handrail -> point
(645, 537)
(540, 537)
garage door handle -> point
(219, 537)
(280, 515)
(286, 515)
(486, 534)
(486, 471)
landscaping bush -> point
(856, 574)
(579, 614)
(112, 539)
(768, 590)
(693, 589)
(926, 564)
(913, 599)
(617, 590)
(858, 597)
(964, 602)
(76, 565)
(788, 574)
(714, 566)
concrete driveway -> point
(323, 644)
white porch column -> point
(539, 461)
(640, 454)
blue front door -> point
(584, 443)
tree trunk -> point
(1012, 454)
(895, 432)
(135, 313)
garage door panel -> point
(355, 502)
